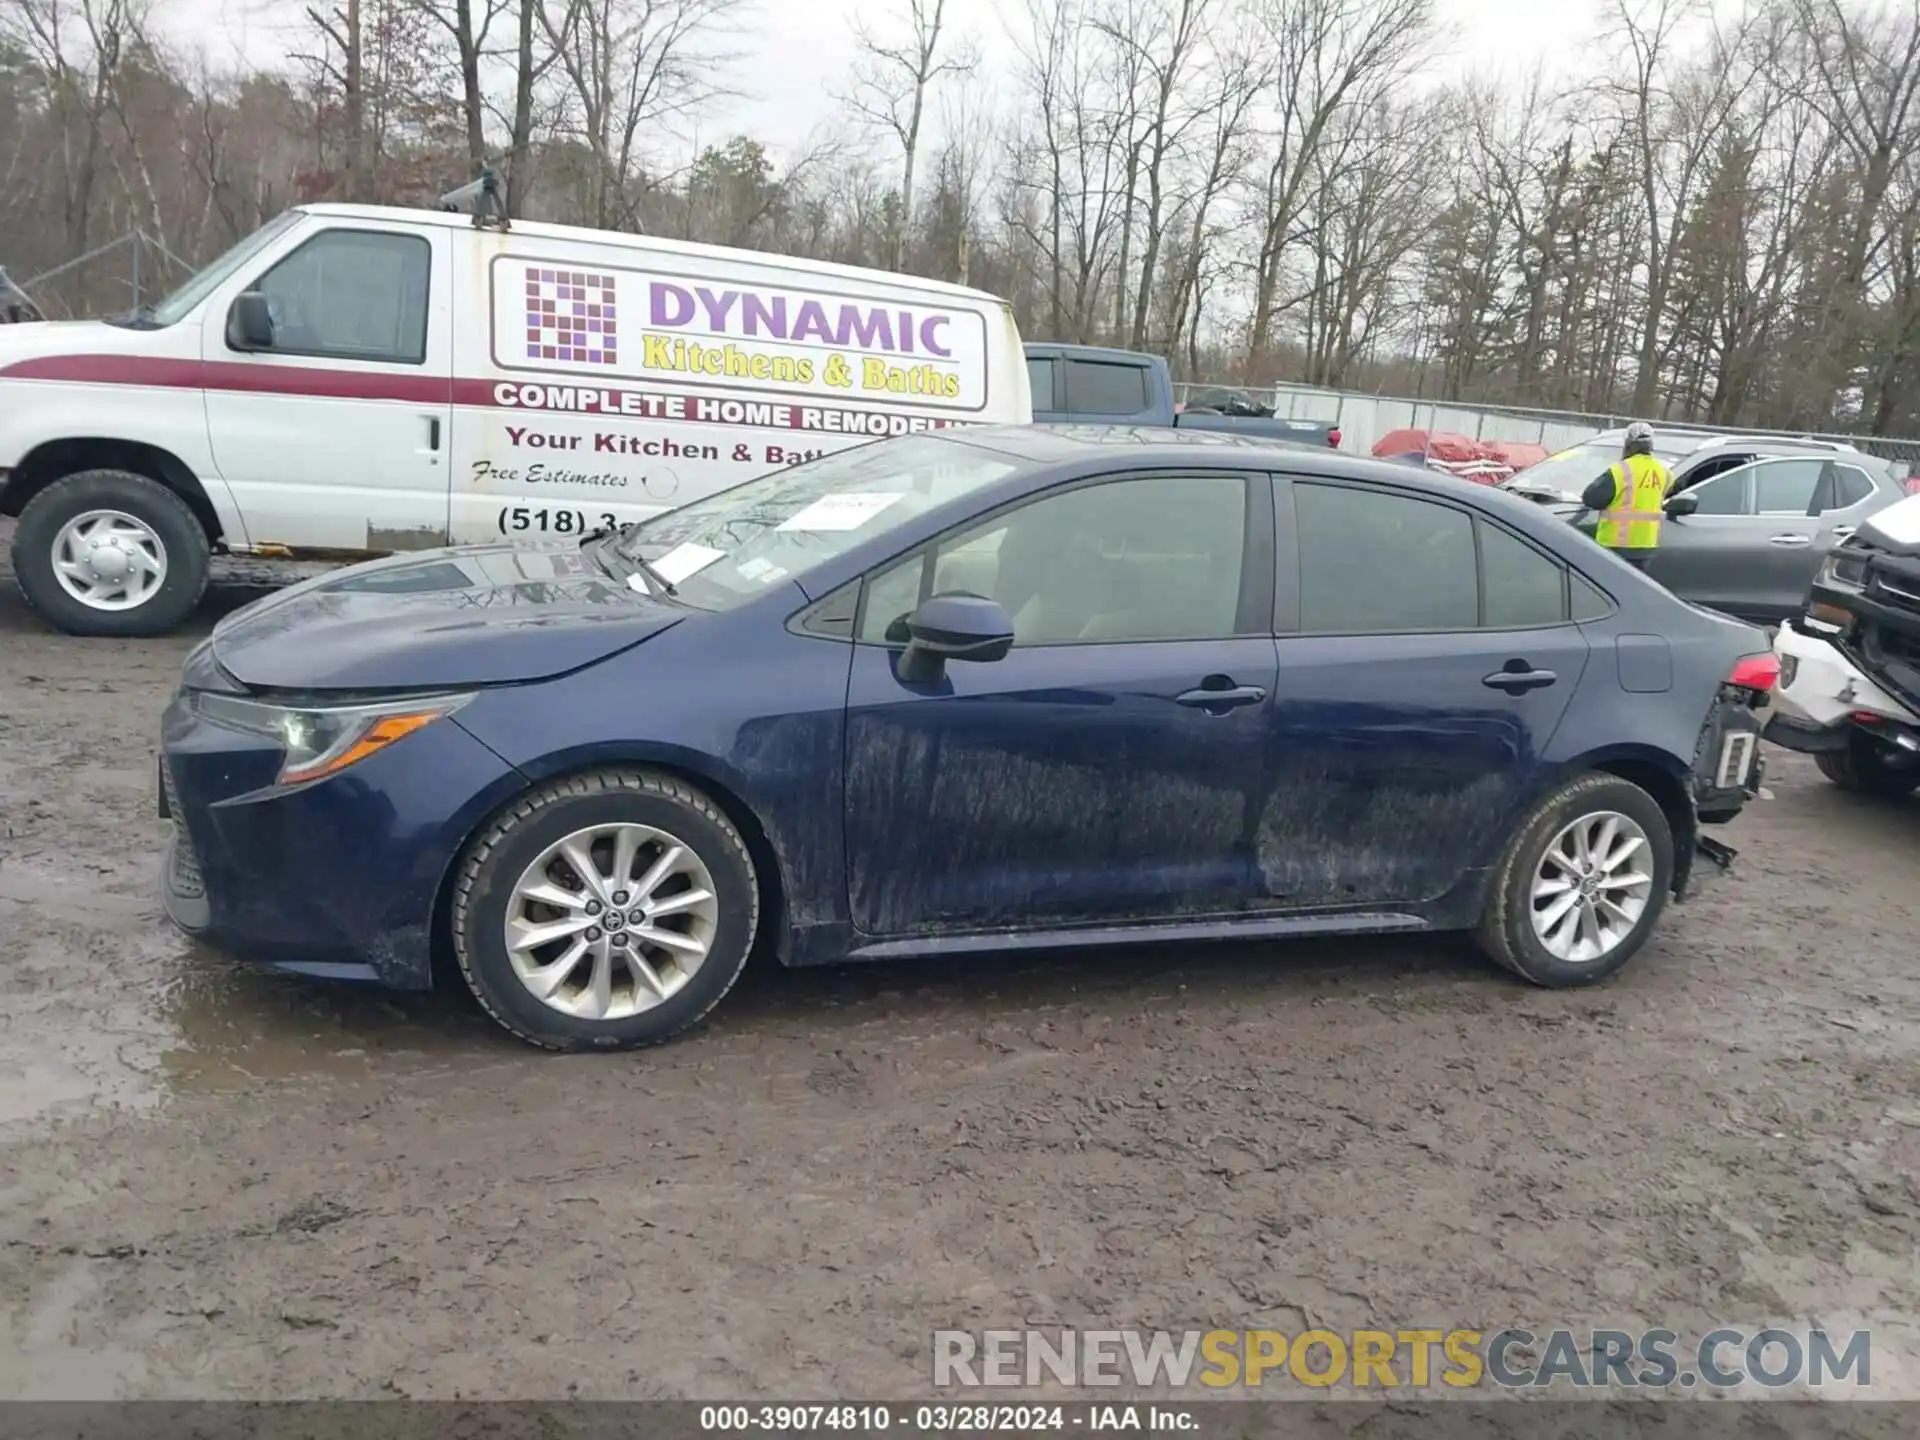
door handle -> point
(433, 432)
(1218, 702)
(1842, 532)
(1518, 682)
(1794, 540)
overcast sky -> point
(795, 49)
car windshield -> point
(729, 548)
(1573, 469)
(176, 306)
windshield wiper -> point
(621, 565)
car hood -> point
(473, 615)
(1896, 528)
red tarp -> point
(1488, 461)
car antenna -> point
(483, 194)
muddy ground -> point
(218, 1183)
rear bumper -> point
(1790, 732)
(1729, 766)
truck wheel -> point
(1871, 767)
(605, 911)
(1581, 885)
(107, 552)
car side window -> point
(1040, 382)
(1589, 601)
(1374, 562)
(1785, 487)
(1851, 487)
(1519, 587)
(1102, 387)
(1152, 558)
(352, 295)
(1710, 467)
(1724, 494)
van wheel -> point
(107, 552)
(1871, 767)
(1581, 885)
(605, 911)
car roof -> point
(1158, 447)
(535, 230)
(1691, 442)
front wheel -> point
(1581, 885)
(605, 911)
(107, 552)
(1871, 767)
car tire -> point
(1518, 908)
(1870, 767)
(154, 517)
(515, 856)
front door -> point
(335, 436)
(1419, 684)
(1109, 768)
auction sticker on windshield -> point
(844, 511)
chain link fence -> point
(122, 274)
(1365, 419)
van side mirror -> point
(250, 323)
(1684, 503)
(957, 626)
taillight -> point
(1333, 437)
(1756, 672)
(1913, 484)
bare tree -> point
(890, 86)
(1326, 55)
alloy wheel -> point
(611, 921)
(1592, 886)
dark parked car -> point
(957, 693)
(1744, 534)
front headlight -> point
(1843, 570)
(323, 740)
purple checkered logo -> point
(570, 316)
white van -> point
(352, 381)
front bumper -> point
(338, 878)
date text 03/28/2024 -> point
(947, 1418)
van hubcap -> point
(109, 560)
(1592, 886)
(610, 921)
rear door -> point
(1426, 656)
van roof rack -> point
(483, 194)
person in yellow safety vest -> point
(1628, 498)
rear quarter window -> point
(1105, 387)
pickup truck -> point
(1089, 385)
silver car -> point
(1746, 530)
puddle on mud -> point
(114, 1010)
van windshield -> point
(180, 303)
(729, 548)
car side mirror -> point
(1682, 504)
(250, 322)
(958, 626)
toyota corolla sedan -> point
(951, 693)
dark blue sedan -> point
(975, 691)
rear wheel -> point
(108, 552)
(1581, 885)
(1871, 767)
(605, 911)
